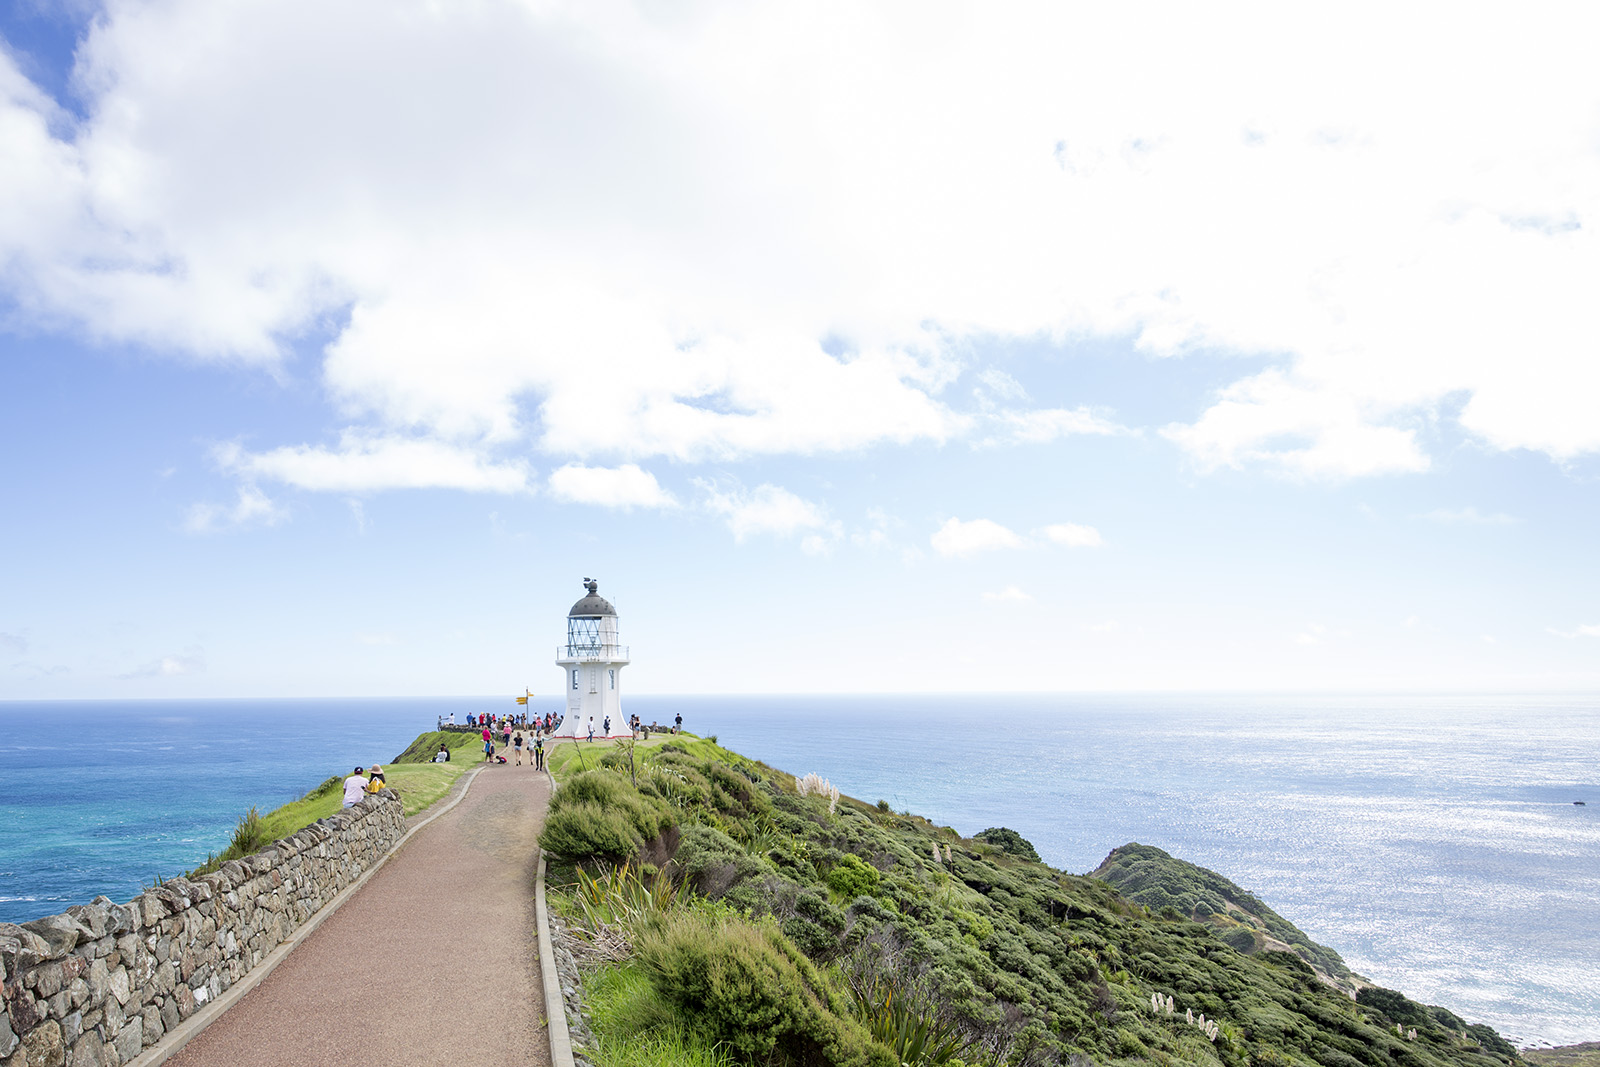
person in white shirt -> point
(355, 787)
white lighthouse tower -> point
(592, 660)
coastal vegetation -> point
(1179, 889)
(419, 785)
(733, 914)
(1586, 1054)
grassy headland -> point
(739, 915)
(1584, 1055)
(418, 782)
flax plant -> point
(915, 1033)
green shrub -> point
(853, 877)
(1397, 1006)
(1008, 841)
(865, 907)
(587, 831)
(745, 984)
(598, 815)
(814, 907)
(1241, 938)
(704, 852)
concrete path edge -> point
(186, 1031)
(555, 1008)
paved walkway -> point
(434, 961)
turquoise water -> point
(106, 796)
(1431, 840)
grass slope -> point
(793, 909)
(419, 785)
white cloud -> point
(875, 535)
(16, 644)
(771, 509)
(190, 662)
(252, 507)
(995, 384)
(1311, 635)
(1581, 631)
(1470, 516)
(1297, 430)
(365, 463)
(1009, 593)
(1073, 535)
(1041, 426)
(626, 486)
(375, 640)
(957, 538)
(631, 235)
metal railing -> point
(592, 652)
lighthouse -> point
(592, 660)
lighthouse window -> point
(613, 674)
(574, 678)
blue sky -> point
(900, 348)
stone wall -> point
(97, 985)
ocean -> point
(1432, 840)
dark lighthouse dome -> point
(592, 606)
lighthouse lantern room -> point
(592, 660)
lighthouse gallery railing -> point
(588, 651)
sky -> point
(896, 347)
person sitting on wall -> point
(375, 780)
(354, 787)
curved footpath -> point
(434, 960)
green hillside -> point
(791, 926)
(1148, 876)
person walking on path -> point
(355, 787)
(591, 728)
(538, 752)
(380, 981)
(517, 743)
(488, 745)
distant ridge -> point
(1161, 882)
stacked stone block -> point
(99, 984)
